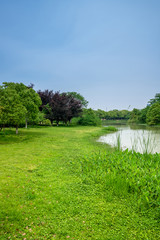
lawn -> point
(48, 189)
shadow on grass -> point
(9, 136)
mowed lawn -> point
(43, 195)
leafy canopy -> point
(12, 111)
(29, 99)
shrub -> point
(46, 122)
(89, 118)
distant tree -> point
(89, 118)
(124, 114)
(79, 97)
(101, 114)
(134, 116)
(153, 114)
(155, 99)
(12, 110)
(113, 115)
(143, 114)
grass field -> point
(51, 188)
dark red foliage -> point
(60, 107)
(46, 97)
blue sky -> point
(108, 51)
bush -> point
(46, 122)
(75, 121)
(89, 118)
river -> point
(134, 137)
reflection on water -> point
(135, 137)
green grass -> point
(54, 186)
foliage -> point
(46, 122)
(153, 114)
(155, 99)
(134, 116)
(64, 107)
(113, 114)
(12, 110)
(29, 99)
(60, 107)
(149, 114)
(143, 115)
(126, 172)
(101, 113)
(46, 97)
(89, 118)
(79, 97)
(117, 114)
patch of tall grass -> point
(126, 173)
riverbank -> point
(51, 188)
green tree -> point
(155, 99)
(143, 114)
(12, 111)
(100, 113)
(134, 116)
(79, 97)
(89, 117)
(153, 114)
(29, 98)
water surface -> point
(134, 137)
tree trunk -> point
(16, 129)
(3, 128)
(26, 123)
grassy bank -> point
(54, 185)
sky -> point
(106, 50)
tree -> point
(153, 114)
(79, 97)
(101, 114)
(64, 107)
(46, 97)
(143, 114)
(155, 99)
(12, 111)
(90, 118)
(59, 106)
(134, 116)
(29, 98)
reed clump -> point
(126, 173)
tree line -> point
(21, 104)
(149, 115)
(113, 114)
